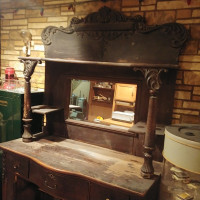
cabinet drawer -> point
(57, 184)
(17, 164)
(98, 192)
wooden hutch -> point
(80, 160)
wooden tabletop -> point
(106, 166)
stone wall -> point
(37, 14)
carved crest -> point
(85, 27)
(103, 18)
(107, 15)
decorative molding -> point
(50, 30)
(103, 35)
(104, 16)
(178, 32)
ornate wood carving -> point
(179, 34)
(152, 77)
(85, 27)
(29, 67)
(104, 16)
(46, 35)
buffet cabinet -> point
(81, 160)
(63, 169)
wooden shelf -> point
(105, 94)
(44, 109)
(101, 63)
(102, 101)
(104, 88)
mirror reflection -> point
(107, 103)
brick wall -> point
(37, 14)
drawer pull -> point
(50, 178)
(16, 166)
(50, 187)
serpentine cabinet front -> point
(53, 168)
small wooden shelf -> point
(105, 94)
(44, 109)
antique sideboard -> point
(81, 160)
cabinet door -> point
(98, 192)
(125, 92)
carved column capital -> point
(29, 67)
(152, 77)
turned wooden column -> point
(152, 77)
(29, 67)
(147, 170)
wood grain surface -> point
(97, 164)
